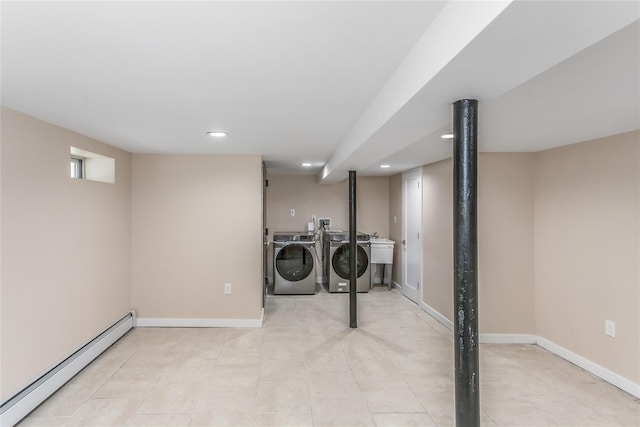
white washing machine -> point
(337, 262)
(294, 263)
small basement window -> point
(92, 166)
(77, 167)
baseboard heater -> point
(25, 401)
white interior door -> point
(411, 235)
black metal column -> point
(465, 239)
(353, 253)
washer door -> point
(294, 262)
(340, 261)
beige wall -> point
(304, 194)
(505, 241)
(437, 232)
(587, 250)
(558, 246)
(197, 225)
(65, 248)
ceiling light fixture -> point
(385, 166)
(447, 136)
(217, 133)
(306, 165)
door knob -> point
(404, 242)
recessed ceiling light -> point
(306, 165)
(385, 166)
(217, 133)
(447, 136)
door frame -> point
(410, 175)
(265, 238)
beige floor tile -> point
(33, 421)
(441, 408)
(567, 410)
(281, 319)
(99, 370)
(202, 349)
(159, 420)
(243, 339)
(150, 359)
(188, 368)
(277, 370)
(66, 401)
(283, 420)
(308, 304)
(281, 333)
(404, 420)
(137, 373)
(373, 368)
(125, 388)
(173, 398)
(626, 420)
(333, 385)
(104, 412)
(324, 342)
(443, 417)
(282, 397)
(367, 384)
(390, 394)
(306, 365)
(397, 399)
(239, 360)
(235, 369)
(329, 361)
(310, 319)
(236, 354)
(338, 412)
(518, 412)
(232, 386)
(214, 410)
(233, 380)
(283, 350)
(609, 400)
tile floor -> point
(305, 367)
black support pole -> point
(465, 239)
(353, 252)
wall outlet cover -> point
(610, 328)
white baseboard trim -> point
(20, 405)
(396, 285)
(436, 315)
(166, 322)
(597, 370)
(589, 366)
(508, 339)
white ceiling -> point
(345, 85)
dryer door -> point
(294, 262)
(340, 261)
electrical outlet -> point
(314, 219)
(227, 288)
(610, 328)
